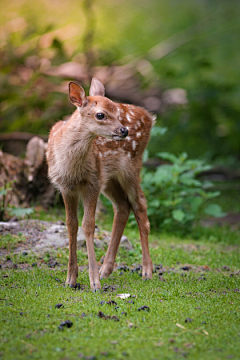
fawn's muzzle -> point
(124, 131)
(121, 133)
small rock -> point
(58, 306)
(111, 302)
(144, 308)
(24, 253)
(225, 267)
(188, 320)
(67, 323)
(185, 268)
(102, 315)
(124, 242)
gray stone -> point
(126, 243)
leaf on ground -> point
(123, 296)
(180, 326)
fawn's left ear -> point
(96, 88)
(76, 94)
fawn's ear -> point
(96, 88)
(76, 94)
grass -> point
(207, 294)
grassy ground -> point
(193, 303)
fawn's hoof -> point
(95, 290)
(96, 286)
(77, 286)
(147, 273)
(71, 281)
(105, 271)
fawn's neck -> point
(74, 153)
(77, 138)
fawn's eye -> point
(100, 116)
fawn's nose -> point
(124, 132)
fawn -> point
(99, 149)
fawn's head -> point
(99, 114)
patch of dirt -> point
(43, 236)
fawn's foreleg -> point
(140, 213)
(90, 197)
(71, 206)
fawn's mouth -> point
(118, 138)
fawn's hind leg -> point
(121, 208)
(140, 212)
(71, 207)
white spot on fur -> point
(138, 134)
(134, 144)
(129, 155)
(138, 123)
(128, 117)
(100, 155)
(110, 152)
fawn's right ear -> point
(76, 94)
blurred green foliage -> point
(197, 50)
(175, 196)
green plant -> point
(174, 194)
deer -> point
(97, 150)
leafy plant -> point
(174, 194)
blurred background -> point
(177, 58)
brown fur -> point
(85, 160)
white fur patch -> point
(128, 117)
(138, 134)
(134, 144)
(110, 152)
(129, 155)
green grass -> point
(207, 293)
